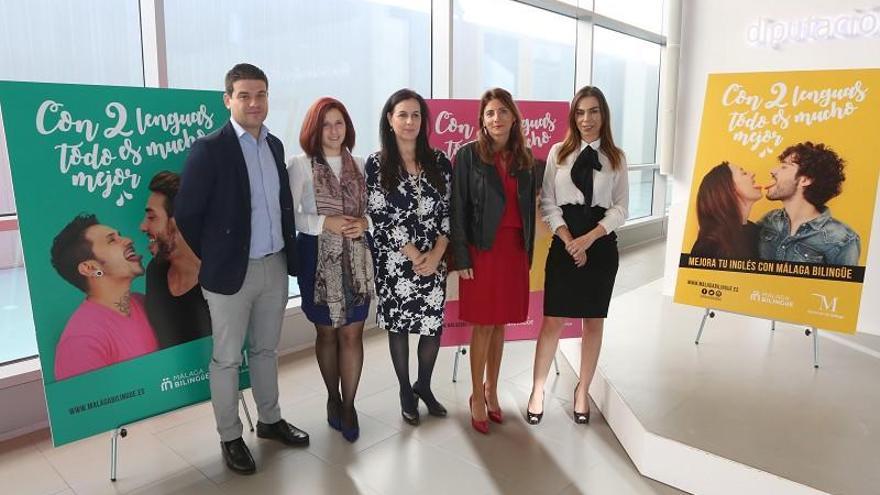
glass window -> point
(17, 337)
(64, 41)
(526, 50)
(71, 41)
(627, 70)
(668, 194)
(646, 14)
(357, 51)
(7, 198)
(641, 193)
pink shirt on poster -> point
(96, 336)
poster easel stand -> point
(122, 432)
(461, 351)
(810, 331)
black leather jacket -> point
(478, 204)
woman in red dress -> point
(493, 234)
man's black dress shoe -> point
(238, 457)
(284, 432)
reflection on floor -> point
(179, 452)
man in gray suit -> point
(235, 210)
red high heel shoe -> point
(480, 426)
(494, 416)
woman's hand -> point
(335, 223)
(584, 242)
(355, 227)
(429, 263)
(580, 259)
(411, 252)
(467, 273)
(563, 234)
(579, 244)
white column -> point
(441, 49)
(583, 75)
(669, 87)
(153, 43)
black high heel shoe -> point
(409, 408)
(580, 418)
(535, 418)
(435, 408)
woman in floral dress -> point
(408, 187)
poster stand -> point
(809, 331)
(461, 351)
(122, 432)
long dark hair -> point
(391, 167)
(718, 214)
(516, 143)
(573, 136)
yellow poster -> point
(782, 196)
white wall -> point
(714, 40)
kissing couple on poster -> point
(807, 176)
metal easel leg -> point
(461, 351)
(114, 449)
(815, 333)
(708, 314)
(815, 347)
(247, 413)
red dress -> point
(499, 291)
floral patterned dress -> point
(413, 212)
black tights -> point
(398, 343)
(340, 353)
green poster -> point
(82, 159)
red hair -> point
(313, 125)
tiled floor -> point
(179, 453)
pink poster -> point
(456, 123)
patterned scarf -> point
(344, 274)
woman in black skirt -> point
(584, 199)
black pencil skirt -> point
(583, 292)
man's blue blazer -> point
(213, 209)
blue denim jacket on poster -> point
(822, 240)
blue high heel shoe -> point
(351, 434)
(333, 417)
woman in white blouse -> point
(335, 265)
(584, 199)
